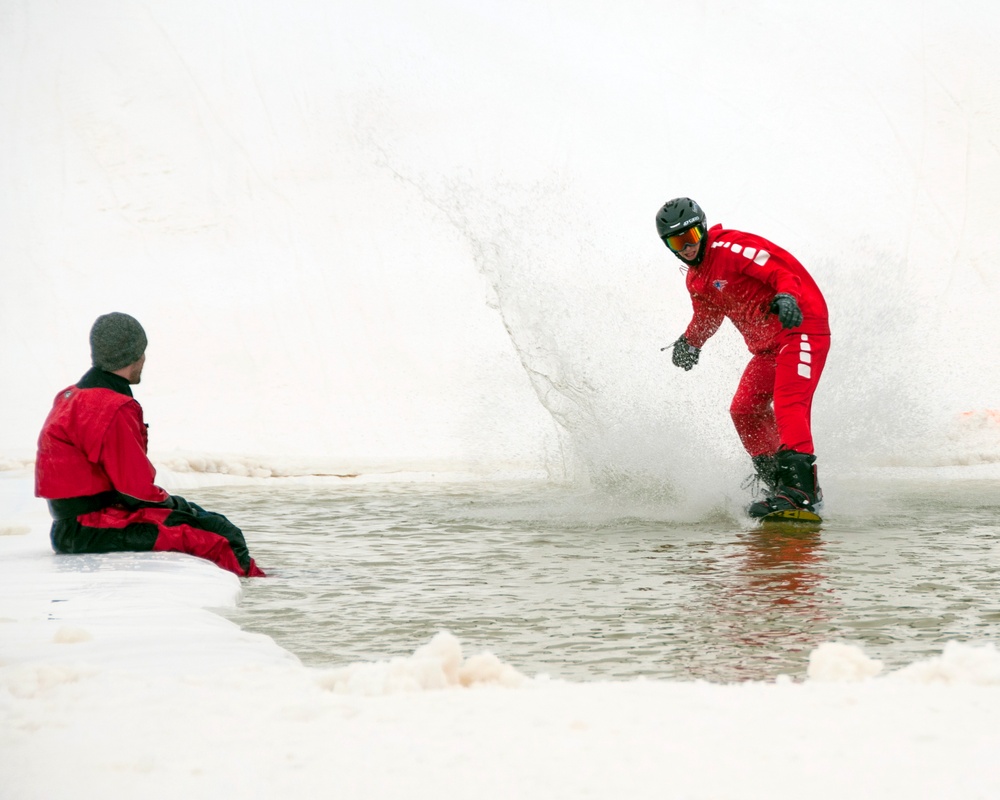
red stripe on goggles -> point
(679, 241)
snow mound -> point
(833, 662)
(978, 665)
(69, 635)
(439, 664)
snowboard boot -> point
(797, 485)
(764, 480)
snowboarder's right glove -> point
(685, 354)
(787, 309)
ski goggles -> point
(679, 241)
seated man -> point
(93, 469)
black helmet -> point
(677, 216)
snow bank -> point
(267, 730)
(959, 664)
(835, 661)
(436, 665)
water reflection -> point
(785, 568)
(770, 603)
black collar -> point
(97, 378)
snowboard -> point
(794, 516)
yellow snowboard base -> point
(795, 516)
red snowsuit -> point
(738, 278)
(93, 469)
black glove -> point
(787, 309)
(685, 354)
(178, 503)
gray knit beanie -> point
(116, 340)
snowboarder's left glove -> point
(787, 309)
(178, 503)
(685, 354)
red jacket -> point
(738, 278)
(94, 440)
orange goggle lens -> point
(679, 241)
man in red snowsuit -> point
(93, 469)
(778, 308)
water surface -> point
(584, 587)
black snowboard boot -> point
(797, 485)
(764, 480)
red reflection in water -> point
(784, 567)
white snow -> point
(414, 239)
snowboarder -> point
(778, 308)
